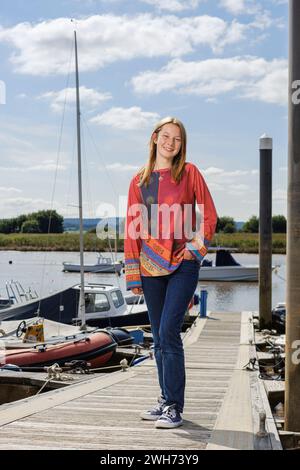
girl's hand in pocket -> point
(137, 290)
(188, 255)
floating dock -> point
(225, 403)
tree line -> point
(228, 225)
(47, 221)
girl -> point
(163, 251)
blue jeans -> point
(167, 299)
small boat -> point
(16, 294)
(278, 317)
(103, 265)
(97, 348)
(226, 268)
(104, 305)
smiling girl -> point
(163, 251)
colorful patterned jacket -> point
(162, 220)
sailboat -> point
(98, 305)
(96, 347)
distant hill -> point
(72, 224)
(239, 225)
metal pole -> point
(265, 232)
(81, 309)
(292, 370)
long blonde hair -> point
(178, 162)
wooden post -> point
(265, 233)
(292, 366)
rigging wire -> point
(58, 156)
(115, 194)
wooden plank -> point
(48, 400)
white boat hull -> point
(229, 273)
(93, 268)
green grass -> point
(249, 242)
(53, 242)
(243, 242)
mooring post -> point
(265, 232)
(292, 350)
(203, 303)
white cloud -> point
(173, 5)
(279, 195)
(263, 18)
(44, 48)
(280, 2)
(126, 118)
(10, 189)
(249, 77)
(229, 182)
(88, 97)
(23, 203)
(122, 167)
(21, 96)
(238, 7)
(238, 189)
(211, 171)
(45, 166)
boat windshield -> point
(102, 260)
(117, 298)
(96, 303)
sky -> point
(220, 66)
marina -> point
(223, 402)
(81, 365)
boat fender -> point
(140, 359)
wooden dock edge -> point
(238, 420)
(35, 404)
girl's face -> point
(168, 141)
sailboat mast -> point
(81, 309)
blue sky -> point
(219, 66)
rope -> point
(54, 373)
(123, 364)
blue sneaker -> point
(155, 412)
(170, 418)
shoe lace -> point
(170, 411)
(160, 405)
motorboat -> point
(279, 317)
(15, 293)
(104, 306)
(226, 268)
(104, 265)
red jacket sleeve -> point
(198, 246)
(132, 242)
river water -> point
(43, 272)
